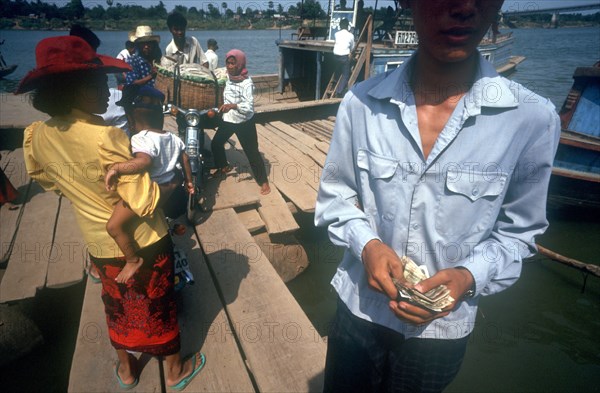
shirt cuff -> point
(360, 234)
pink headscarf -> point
(240, 61)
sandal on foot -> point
(123, 385)
(95, 280)
(185, 381)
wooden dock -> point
(239, 312)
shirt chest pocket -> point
(469, 203)
(378, 183)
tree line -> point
(36, 14)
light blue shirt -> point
(477, 201)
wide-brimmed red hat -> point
(64, 54)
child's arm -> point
(187, 171)
(139, 164)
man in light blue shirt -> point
(446, 162)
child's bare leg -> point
(116, 229)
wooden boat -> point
(575, 177)
(307, 65)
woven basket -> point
(191, 94)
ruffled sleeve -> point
(35, 169)
(138, 191)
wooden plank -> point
(251, 220)
(305, 143)
(92, 369)
(28, 265)
(282, 348)
(67, 258)
(224, 191)
(296, 181)
(204, 326)
(17, 111)
(275, 213)
(323, 147)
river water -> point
(541, 335)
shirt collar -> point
(489, 89)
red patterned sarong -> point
(142, 313)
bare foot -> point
(265, 189)
(128, 271)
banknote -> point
(435, 299)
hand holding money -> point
(435, 299)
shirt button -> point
(415, 226)
(475, 192)
(388, 217)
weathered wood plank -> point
(93, 366)
(67, 259)
(17, 111)
(323, 147)
(204, 326)
(251, 220)
(296, 181)
(275, 213)
(28, 265)
(283, 349)
(223, 191)
(304, 142)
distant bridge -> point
(532, 8)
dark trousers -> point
(366, 357)
(343, 72)
(246, 133)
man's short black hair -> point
(176, 19)
(344, 23)
(129, 44)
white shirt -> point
(477, 201)
(164, 149)
(344, 42)
(192, 51)
(242, 94)
(124, 55)
(115, 114)
(213, 59)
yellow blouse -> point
(71, 154)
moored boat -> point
(307, 63)
(7, 70)
(575, 177)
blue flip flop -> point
(122, 384)
(185, 381)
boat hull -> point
(5, 71)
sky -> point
(509, 5)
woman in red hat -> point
(71, 153)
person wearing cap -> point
(143, 62)
(70, 153)
(213, 58)
(186, 47)
(155, 151)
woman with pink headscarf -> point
(238, 119)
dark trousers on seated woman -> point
(246, 134)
